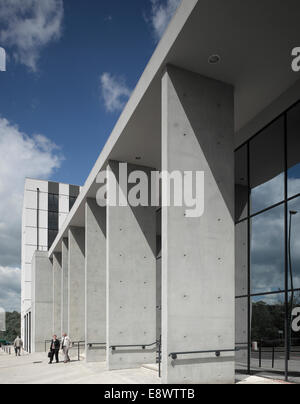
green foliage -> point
(267, 321)
(13, 327)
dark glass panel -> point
(268, 251)
(241, 183)
(267, 334)
(267, 167)
(293, 136)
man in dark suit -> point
(54, 349)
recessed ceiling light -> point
(138, 158)
(214, 59)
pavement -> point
(34, 369)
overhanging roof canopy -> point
(254, 39)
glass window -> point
(294, 243)
(293, 136)
(294, 327)
(241, 183)
(268, 251)
(267, 333)
(52, 221)
(269, 312)
(51, 237)
(267, 167)
(72, 200)
(52, 203)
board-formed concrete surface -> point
(34, 369)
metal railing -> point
(6, 349)
(143, 346)
(157, 343)
(78, 344)
(75, 344)
(92, 345)
(272, 351)
(218, 352)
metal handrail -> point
(92, 344)
(218, 352)
(143, 346)
(78, 343)
(75, 344)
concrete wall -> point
(57, 269)
(198, 253)
(131, 281)
(42, 301)
(95, 280)
(76, 328)
(64, 286)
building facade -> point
(219, 291)
(45, 208)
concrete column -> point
(198, 253)
(76, 328)
(64, 286)
(95, 281)
(42, 301)
(131, 280)
(57, 295)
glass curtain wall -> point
(267, 181)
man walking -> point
(18, 345)
(65, 346)
(54, 349)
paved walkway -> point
(34, 369)
(260, 380)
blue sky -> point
(71, 66)
(62, 99)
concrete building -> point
(218, 96)
(46, 206)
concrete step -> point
(152, 366)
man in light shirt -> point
(65, 346)
(18, 345)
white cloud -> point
(162, 12)
(29, 25)
(268, 236)
(10, 288)
(20, 156)
(114, 92)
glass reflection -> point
(294, 243)
(267, 252)
(267, 167)
(241, 183)
(293, 125)
(241, 331)
(294, 326)
(267, 333)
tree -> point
(13, 327)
